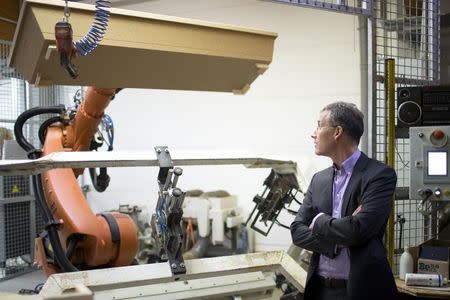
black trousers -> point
(317, 290)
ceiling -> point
(176, 6)
(182, 8)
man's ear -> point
(338, 132)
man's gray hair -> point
(348, 116)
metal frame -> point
(94, 159)
(255, 285)
(112, 281)
(410, 35)
(356, 7)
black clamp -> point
(166, 222)
(280, 190)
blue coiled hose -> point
(108, 126)
(160, 211)
(98, 28)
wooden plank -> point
(142, 50)
(9, 13)
(92, 159)
(7, 30)
(10, 9)
(115, 279)
(427, 292)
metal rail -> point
(128, 159)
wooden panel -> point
(93, 159)
(9, 13)
(10, 9)
(7, 30)
(427, 292)
(142, 50)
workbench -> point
(423, 292)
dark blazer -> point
(372, 184)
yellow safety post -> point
(389, 88)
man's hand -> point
(314, 220)
(357, 210)
(338, 247)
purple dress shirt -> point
(339, 267)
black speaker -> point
(409, 107)
(422, 106)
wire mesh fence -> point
(407, 31)
(20, 221)
(363, 7)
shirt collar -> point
(350, 162)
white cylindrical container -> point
(412, 279)
(406, 263)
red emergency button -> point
(438, 138)
(438, 134)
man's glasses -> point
(319, 127)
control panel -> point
(429, 170)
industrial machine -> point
(75, 237)
(165, 223)
(83, 244)
(213, 213)
(281, 188)
(429, 176)
(430, 164)
(213, 224)
(134, 280)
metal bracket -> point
(166, 222)
(280, 190)
(165, 163)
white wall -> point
(316, 61)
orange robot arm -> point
(88, 240)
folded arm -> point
(303, 236)
(359, 228)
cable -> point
(33, 153)
(45, 125)
(291, 211)
(38, 287)
(282, 225)
(98, 28)
(294, 198)
(51, 226)
(108, 126)
(161, 215)
(101, 181)
(73, 240)
(23, 117)
(405, 164)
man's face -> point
(323, 136)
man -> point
(344, 214)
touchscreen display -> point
(437, 163)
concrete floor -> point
(24, 281)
